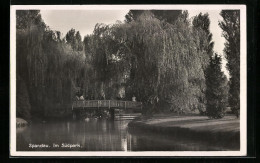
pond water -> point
(100, 135)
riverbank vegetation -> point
(161, 57)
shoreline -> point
(224, 132)
(21, 123)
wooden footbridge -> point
(110, 105)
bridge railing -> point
(106, 104)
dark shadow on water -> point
(144, 140)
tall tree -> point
(166, 62)
(216, 90)
(26, 18)
(78, 41)
(48, 69)
(102, 50)
(169, 16)
(200, 23)
(70, 38)
(74, 39)
(133, 15)
(231, 32)
(29, 32)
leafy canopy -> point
(231, 32)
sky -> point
(84, 21)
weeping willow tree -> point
(104, 51)
(49, 67)
(27, 53)
(162, 63)
(167, 62)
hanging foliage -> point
(162, 62)
(50, 68)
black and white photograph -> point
(128, 80)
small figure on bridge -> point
(81, 98)
(77, 97)
(133, 98)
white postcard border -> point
(243, 80)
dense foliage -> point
(162, 63)
(100, 49)
(231, 32)
(50, 68)
(157, 57)
(169, 16)
(74, 39)
(217, 89)
(202, 22)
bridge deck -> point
(106, 104)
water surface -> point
(102, 135)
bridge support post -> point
(112, 113)
(74, 115)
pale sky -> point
(84, 21)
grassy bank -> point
(223, 132)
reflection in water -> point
(100, 135)
(94, 135)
